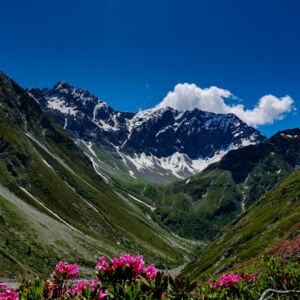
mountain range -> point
(79, 179)
(156, 144)
(200, 206)
(54, 206)
(273, 217)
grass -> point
(70, 188)
(266, 221)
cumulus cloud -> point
(187, 96)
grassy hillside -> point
(275, 216)
(200, 206)
(41, 165)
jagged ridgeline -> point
(200, 206)
(156, 145)
(79, 179)
(54, 206)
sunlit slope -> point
(41, 165)
(200, 206)
(274, 216)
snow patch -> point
(66, 123)
(93, 159)
(142, 202)
(47, 164)
(163, 130)
(95, 166)
(49, 210)
(97, 107)
(106, 126)
(178, 164)
(59, 104)
(89, 145)
(290, 136)
(131, 173)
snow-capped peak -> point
(145, 116)
(183, 141)
(62, 85)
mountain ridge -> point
(276, 214)
(158, 140)
(200, 206)
(44, 173)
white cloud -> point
(187, 96)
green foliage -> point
(66, 210)
(32, 289)
(200, 207)
(273, 217)
(272, 273)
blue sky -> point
(132, 53)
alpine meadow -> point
(129, 171)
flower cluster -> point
(65, 271)
(286, 249)
(57, 285)
(7, 294)
(151, 272)
(228, 280)
(134, 264)
(128, 276)
(82, 285)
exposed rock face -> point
(155, 134)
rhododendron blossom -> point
(82, 285)
(66, 270)
(229, 279)
(151, 272)
(3, 286)
(287, 249)
(135, 263)
(102, 264)
(226, 280)
(7, 294)
(102, 295)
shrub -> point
(128, 277)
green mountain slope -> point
(41, 166)
(200, 206)
(275, 216)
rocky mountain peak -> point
(153, 136)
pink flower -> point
(82, 285)
(7, 293)
(164, 295)
(117, 263)
(102, 264)
(213, 284)
(102, 295)
(3, 287)
(151, 272)
(135, 263)
(229, 279)
(226, 280)
(67, 270)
